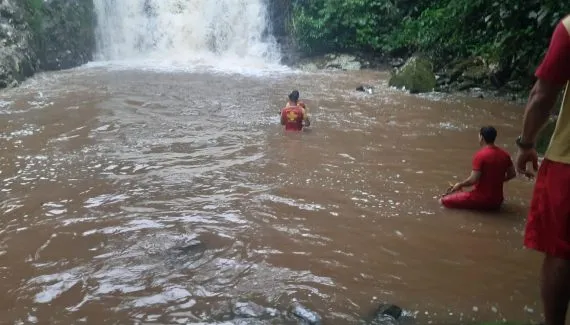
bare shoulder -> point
(566, 22)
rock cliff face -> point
(17, 56)
(67, 34)
(280, 12)
(38, 35)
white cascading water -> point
(208, 32)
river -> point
(130, 193)
(156, 186)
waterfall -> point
(190, 30)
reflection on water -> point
(156, 196)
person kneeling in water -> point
(294, 115)
(492, 167)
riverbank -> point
(467, 77)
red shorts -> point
(467, 200)
(548, 226)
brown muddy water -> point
(140, 196)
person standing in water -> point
(294, 115)
(492, 166)
(548, 224)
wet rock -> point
(17, 56)
(253, 310)
(387, 314)
(474, 69)
(466, 85)
(384, 320)
(416, 76)
(396, 62)
(191, 246)
(49, 35)
(514, 85)
(306, 315)
(365, 88)
(309, 67)
(463, 74)
(442, 80)
(67, 34)
(342, 62)
(390, 310)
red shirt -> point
(493, 163)
(293, 117)
(555, 66)
(555, 69)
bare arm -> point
(471, 180)
(540, 104)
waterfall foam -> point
(227, 34)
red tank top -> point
(293, 116)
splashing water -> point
(222, 33)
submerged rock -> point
(416, 76)
(384, 320)
(253, 310)
(390, 310)
(365, 88)
(387, 314)
(306, 315)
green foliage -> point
(513, 33)
(342, 24)
(34, 14)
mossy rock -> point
(416, 75)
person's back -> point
(495, 162)
(292, 118)
(294, 115)
(491, 167)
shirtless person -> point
(294, 116)
(492, 166)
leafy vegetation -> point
(34, 17)
(34, 13)
(510, 32)
(510, 35)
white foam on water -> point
(134, 225)
(291, 202)
(104, 199)
(63, 282)
(186, 35)
(167, 296)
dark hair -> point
(489, 134)
(294, 96)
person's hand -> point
(454, 188)
(524, 156)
